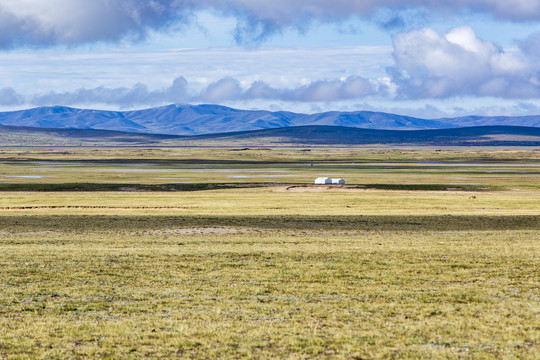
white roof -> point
(323, 180)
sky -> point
(424, 58)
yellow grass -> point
(275, 201)
(272, 273)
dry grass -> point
(274, 201)
(270, 273)
(134, 287)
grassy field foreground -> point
(105, 286)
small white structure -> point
(323, 181)
(327, 181)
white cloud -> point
(275, 99)
(431, 65)
(353, 87)
(43, 23)
(9, 97)
(39, 72)
(226, 89)
(425, 65)
(69, 22)
(180, 91)
(222, 90)
(531, 46)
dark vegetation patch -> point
(124, 187)
(278, 222)
(215, 186)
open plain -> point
(205, 254)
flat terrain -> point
(447, 268)
(455, 167)
(314, 135)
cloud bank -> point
(427, 65)
(72, 22)
(225, 89)
(431, 65)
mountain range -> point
(211, 119)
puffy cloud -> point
(178, 91)
(261, 90)
(9, 97)
(284, 12)
(226, 89)
(122, 97)
(353, 87)
(531, 46)
(42, 23)
(427, 65)
(68, 22)
(431, 65)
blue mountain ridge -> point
(211, 119)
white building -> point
(323, 180)
(327, 180)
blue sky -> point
(426, 58)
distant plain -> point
(425, 253)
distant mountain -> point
(209, 119)
(288, 136)
(467, 121)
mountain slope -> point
(202, 119)
(208, 119)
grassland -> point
(455, 167)
(271, 272)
